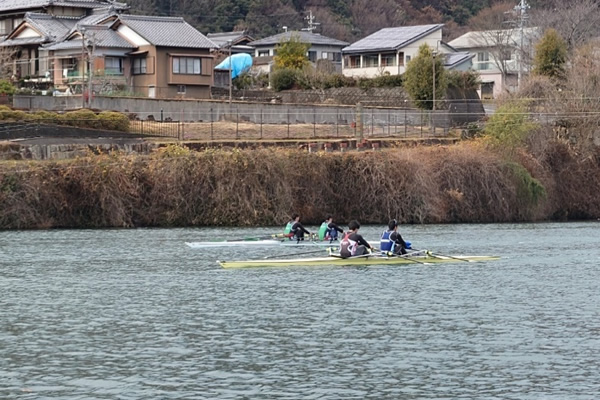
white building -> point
(501, 55)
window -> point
(263, 53)
(139, 66)
(113, 65)
(325, 55)
(407, 59)
(312, 56)
(401, 58)
(180, 89)
(388, 60)
(187, 65)
(371, 61)
(352, 61)
(483, 58)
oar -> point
(408, 255)
(254, 238)
(443, 255)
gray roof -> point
(221, 38)
(167, 31)
(101, 35)
(391, 39)
(52, 26)
(306, 37)
(49, 27)
(454, 59)
(8, 5)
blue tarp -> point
(239, 63)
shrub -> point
(83, 118)
(113, 121)
(6, 88)
(283, 79)
(466, 80)
(388, 81)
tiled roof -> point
(22, 41)
(167, 31)
(303, 36)
(391, 38)
(54, 27)
(221, 38)
(7, 5)
(101, 35)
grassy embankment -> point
(177, 187)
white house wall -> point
(432, 40)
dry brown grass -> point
(179, 187)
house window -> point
(371, 61)
(483, 58)
(401, 58)
(337, 57)
(113, 65)
(263, 53)
(388, 60)
(325, 55)
(180, 89)
(352, 61)
(312, 56)
(139, 66)
(187, 65)
(407, 59)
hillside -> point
(343, 19)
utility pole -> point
(230, 44)
(521, 8)
(312, 25)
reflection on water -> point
(135, 314)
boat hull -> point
(356, 261)
(259, 243)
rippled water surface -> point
(136, 314)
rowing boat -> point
(263, 242)
(375, 259)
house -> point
(501, 56)
(389, 50)
(161, 57)
(23, 45)
(321, 47)
(238, 40)
(12, 12)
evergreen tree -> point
(550, 55)
(291, 54)
(418, 79)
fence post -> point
(421, 124)
(288, 122)
(237, 122)
(337, 122)
(211, 125)
(314, 122)
(372, 121)
(261, 122)
(405, 124)
(389, 127)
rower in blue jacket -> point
(391, 240)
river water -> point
(136, 314)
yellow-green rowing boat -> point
(372, 259)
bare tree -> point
(8, 55)
(577, 21)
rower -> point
(329, 230)
(391, 240)
(353, 244)
(297, 230)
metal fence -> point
(241, 122)
(173, 129)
